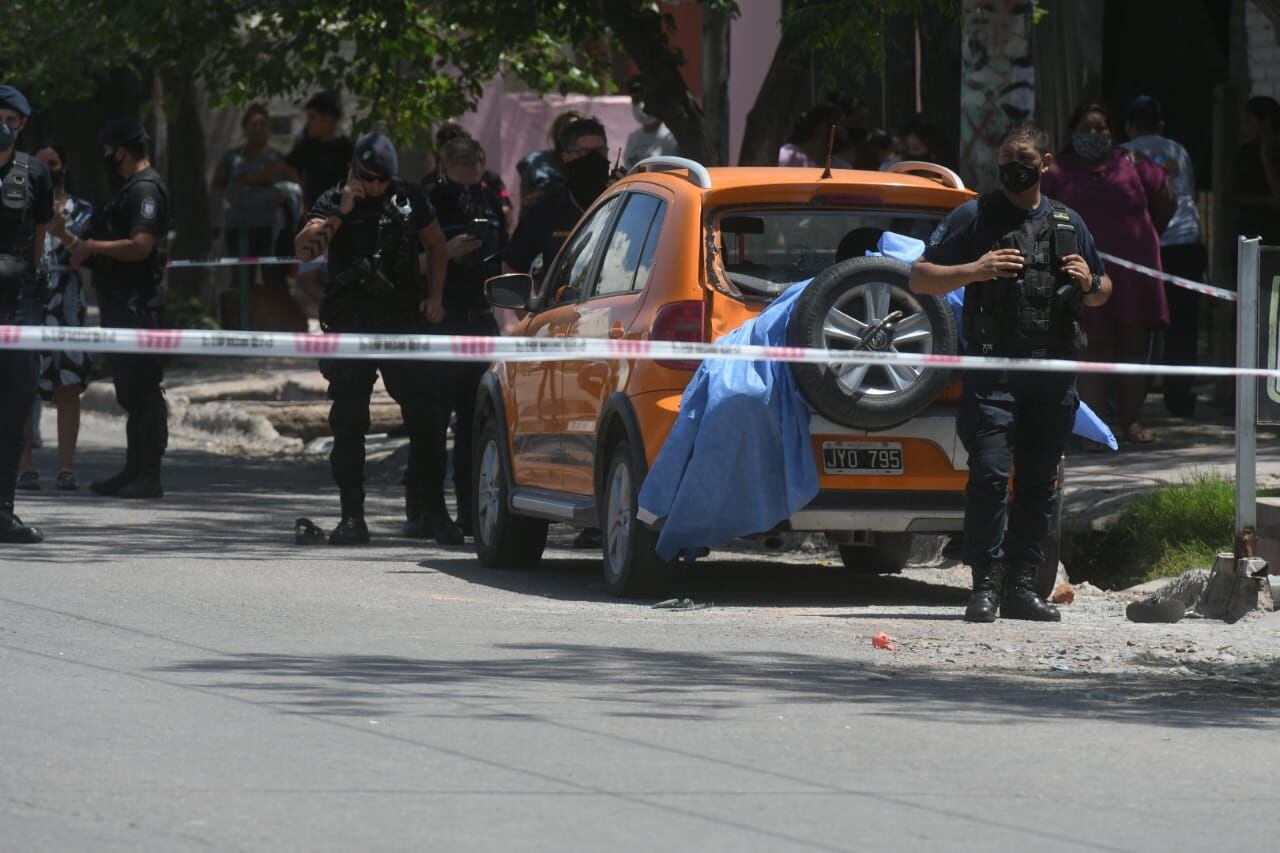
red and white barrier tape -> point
(233, 262)
(487, 349)
(1198, 287)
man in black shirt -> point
(473, 226)
(127, 255)
(320, 158)
(372, 227)
(26, 208)
(1028, 266)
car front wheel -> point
(632, 566)
(503, 539)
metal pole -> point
(1249, 251)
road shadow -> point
(698, 685)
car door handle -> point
(617, 331)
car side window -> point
(573, 265)
(629, 255)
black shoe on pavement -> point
(1020, 599)
(984, 603)
(29, 481)
(111, 485)
(143, 488)
(589, 539)
(441, 528)
(305, 532)
(415, 528)
(350, 531)
(14, 532)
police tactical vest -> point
(16, 198)
(153, 266)
(384, 289)
(1038, 314)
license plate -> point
(865, 458)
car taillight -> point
(679, 321)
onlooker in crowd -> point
(855, 127)
(1127, 202)
(810, 138)
(247, 202)
(924, 141)
(472, 222)
(1255, 185)
(63, 375)
(880, 151)
(651, 138)
(490, 181)
(542, 172)
(320, 158)
(1182, 251)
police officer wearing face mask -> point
(472, 221)
(1028, 266)
(26, 209)
(127, 252)
(547, 224)
(373, 228)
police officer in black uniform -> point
(1028, 266)
(473, 224)
(127, 252)
(548, 223)
(26, 209)
(372, 228)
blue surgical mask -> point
(8, 136)
(1091, 146)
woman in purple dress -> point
(1126, 202)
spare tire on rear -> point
(845, 307)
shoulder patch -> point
(148, 208)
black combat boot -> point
(143, 487)
(351, 530)
(112, 485)
(14, 532)
(1020, 599)
(439, 526)
(985, 601)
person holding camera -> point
(372, 228)
(472, 225)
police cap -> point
(122, 131)
(13, 99)
(376, 154)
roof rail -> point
(698, 174)
(942, 174)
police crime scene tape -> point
(1198, 287)
(454, 348)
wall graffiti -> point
(998, 82)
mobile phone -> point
(479, 229)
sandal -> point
(67, 482)
(29, 481)
(1135, 434)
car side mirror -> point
(512, 290)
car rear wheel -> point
(886, 555)
(503, 539)
(632, 566)
(865, 304)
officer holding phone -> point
(475, 239)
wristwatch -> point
(1095, 285)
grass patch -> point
(1164, 533)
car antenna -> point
(831, 144)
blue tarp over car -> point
(738, 460)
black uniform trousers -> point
(17, 393)
(420, 387)
(463, 401)
(1017, 424)
(1182, 338)
(137, 381)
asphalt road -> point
(178, 675)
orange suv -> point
(679, 252)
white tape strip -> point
(489, 349)
(234, 262)
(1198, 287)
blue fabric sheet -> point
(738, 460)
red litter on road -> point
(883, 641)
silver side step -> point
(553, 506)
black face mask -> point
(59, 178)
(1018, 177)
(587, 176)
(112, 165)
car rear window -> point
(764, 251)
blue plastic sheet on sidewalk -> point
(738, 460)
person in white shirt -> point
(651, 138)
(1182, 251)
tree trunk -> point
(186, 178)
(781, 98)
(715, 83)
(998, 86)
